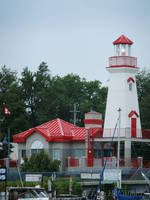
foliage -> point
(34, 88)
(62, 186)
(40, 162)
(70, 89)
(10, 94)
(143, 89)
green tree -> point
(42, 86)
(10, 94)
(40, 163)
(143, 90)
(64, 92)
(94, 97)
(27, 87)
(70, 89)
(35, 91)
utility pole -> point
(74, 111)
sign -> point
(112, 175)
(90, 176)
(33, 177)
(3, 173)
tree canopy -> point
(143, 89)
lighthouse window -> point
(130, 86)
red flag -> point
(6, 111)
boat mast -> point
(118, 156)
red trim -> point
(123, 40)
(93, 121)
(90, 152)
(123, 66)
(133, 112)
(133, 127)
(130, 57)
(131, 79)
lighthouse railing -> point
(125, 133)
(123, 61)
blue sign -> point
(3, 174)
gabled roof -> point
(133, 112)
(57, 130)
(131, 79)
(123, 40)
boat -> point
(117, 195)
(26, 193)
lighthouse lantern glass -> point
(122, 50)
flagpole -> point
(8, 151)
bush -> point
(62, 186)
(40, 163)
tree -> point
(42, 87)
(40, 163)
(70, 89)
(143, 90)
(64, 92)
(10, 94)
(27, 87)
(94, 97)
(35, 91)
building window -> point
(97, 153)
(79, 153)
(23, 153)
(130, 86)
(35, 151)
(36, 147)
(56, 154)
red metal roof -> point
(123, 40)
(58, 130)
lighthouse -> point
(122, 92)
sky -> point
(72, 36)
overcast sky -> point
(72, 36)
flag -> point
(6, 111)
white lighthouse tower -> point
(122, 92)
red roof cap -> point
(123, 40)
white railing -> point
(124, 132)
(122, 61)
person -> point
(84, 196)
(15, 195)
